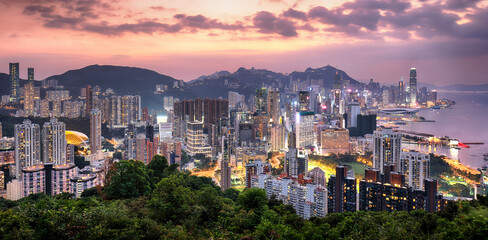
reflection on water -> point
(465, 121)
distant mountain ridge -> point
(139, 81)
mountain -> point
(246, 81)
(123, 80)
(465, 87)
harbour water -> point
(466, 121)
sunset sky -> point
(446, 40)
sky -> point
(446, 40)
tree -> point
(231, 193)
(127, 179)
(253, 199)
(157, 168)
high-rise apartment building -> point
(387, 146)
(54, 142)
(416, 167)
(277, 138)
(89, 100)
(274, 110)
(30, 74)
(28, 166)
(31, 97)
(341, 191)
(262, 101)
(195, 139)
(131, 109)
(95, 131)
(304, 101)
(14, 81)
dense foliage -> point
(182, 206)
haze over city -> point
(185, 39)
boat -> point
(460, 144)
(485, 156)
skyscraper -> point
(401, 92)
(95, 131)
(28, 165)
(27, 146)
(387, 146)
(305, 135)
(89, 100)
(304, 101)
(262, 101)
(413, 86)
(30, 74)
(54, 142)
(341, 191)
(31, 96)
(337, 81)
(416, 167)
(14, 81)
(274, 106)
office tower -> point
(195, 139)
(236, 100)
(262, 101)
(305, 136)
(353, 110)
(387, 146)
(317, 176)
(89, 100)
(433, 96)
(14, 81)
(341, 191)
(278, 138)
(274, 110)
(28, 165)
(401, 92)
(416, 167)
(337, 81)
(54, 142)
(296, 162)
(413, 86)
(225, 174)
(95, 131)
(334, 140)
(304, 101)
(30, 74)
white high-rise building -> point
(416, 167)
(131, 109)
(387, 146)
(54, 142)
(195, 139)
(305, 135)
(28, 166)
(27, 146)
(95, 131)
(235, 99)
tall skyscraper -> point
(31, 96)
(225, 175)
(27, 146)
(401, 92)
(341, 191)
(413, 86)
(54, 142)
(304, 101)
(262, 101)
(28, 166)
(89, 100)
(416, 167)
(95, 131)
(305, 135)
(387, 146)
(337, 81)
(30, 74)
(274, 106)
(14, 81)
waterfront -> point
(465, 121)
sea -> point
(466, 121)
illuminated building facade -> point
(412, 91)
(416, 167)
(334, 140)
(341, 191)
(387, 146)
(14, 81)
(305, 135)
(95, 131)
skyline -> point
(187, 39)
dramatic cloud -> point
(267, 22)
(461, 4)
(202, 22)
